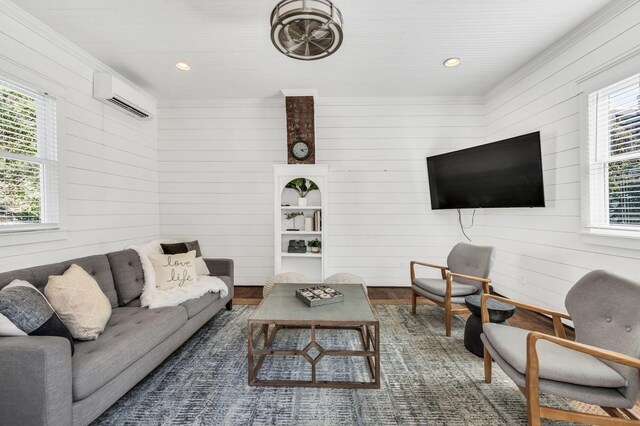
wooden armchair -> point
(466, 273)
(600, 368)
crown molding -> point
(609, 12)
(355, 101)
(222, 103)
(34, 24)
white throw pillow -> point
(79, 302)
(201, 267)
(174, 270)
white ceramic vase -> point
(302, 201)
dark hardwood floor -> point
(402, 295)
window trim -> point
(616, 71)
(43, 232)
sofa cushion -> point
(195, 306)
(174, 270)
(439, 287)
(79, 302)
(556, 362)
(130, 333)
(177, 248)
(128, 276)
(24, 311)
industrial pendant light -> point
(306, 29)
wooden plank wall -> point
(109, 176)
(541, 251)
(216, 179)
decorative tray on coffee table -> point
(319, 295)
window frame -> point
(50, 230)
(616, 236)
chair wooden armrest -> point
(443, 269)
(532, 377)
(555, 315)
(606, 354)
(485, 281)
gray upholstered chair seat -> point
(556, 362)
(437, 297)
(123, 342)
(605, 397)
(439, 287)
(195, 306)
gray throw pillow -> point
(24, 311)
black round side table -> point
(498, 313)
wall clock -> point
(300, 150)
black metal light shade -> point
(306, 29)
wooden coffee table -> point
(282, 309)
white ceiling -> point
(391, 48)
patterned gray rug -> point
(426, 379)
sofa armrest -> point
(35, 381)
(219, 267)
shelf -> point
(317, 255)
(302, 232)
(301, 207)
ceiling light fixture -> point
(183, 66)
(451, 62)
(306, 29)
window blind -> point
(614, 155)
(28, 157)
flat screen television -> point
(506, 173)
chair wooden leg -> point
(487, 366)
(413, 301)
(447, 318)
(533, 401)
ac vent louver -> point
(129, 108)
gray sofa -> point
(42, 384)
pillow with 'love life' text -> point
(174, 270)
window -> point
(28, 159)
(614, 156)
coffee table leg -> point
(250, 352)
(377, 330)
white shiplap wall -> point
(109, 178)
(541, 252)
(216, 179)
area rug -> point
(427, 378)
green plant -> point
(292, 215)
(302, 186)
(314, 243)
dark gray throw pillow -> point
(177, 248)
(24, 311)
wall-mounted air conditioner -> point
(118, 94)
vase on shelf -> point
(302, 201)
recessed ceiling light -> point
(451, 62)
(183, 66)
